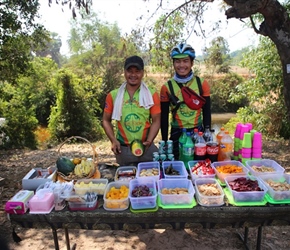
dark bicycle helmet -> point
(182, 50)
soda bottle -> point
(212, 147)
(220, 135)
(194, 135)
(206, 134)
(200, 148)
(187, 150)
(226, 147)
(181, 141)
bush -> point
(72, 116)
(221, 90)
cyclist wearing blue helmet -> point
(171, 98)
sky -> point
(125, 13)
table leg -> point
(55, 239)
(259, 238)
(67, 239)
(244, 237)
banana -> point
(83, 168)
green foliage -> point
(168, 31)
(217, 58)
(20, 119)
(266, 108)
(72, 115)
(26, 102)
(19, 35)
(36, 88)
(221, 91)
(51, 48)
(99, 53)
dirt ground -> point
(15, 164)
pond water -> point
(219, 120)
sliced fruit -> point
(137, 148)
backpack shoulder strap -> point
(199, 85)
(176, 100)
(171, 88)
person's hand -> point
(116, 147)
(147, 144)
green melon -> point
(65, 165)
(137, 147)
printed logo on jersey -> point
(132, 123)
(185, 111)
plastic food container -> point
(168, 198)
(191, 165)
(80, 203)
(149, 169)
(42, 202)
(115, 203)
(247, 196)
(265, 167)
(176, 165)
(278, 185)
(211, 194)
(83, 186)
(222, 176)
(125, 173)
(143, 202)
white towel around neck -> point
(145, 100)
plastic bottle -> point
(226, 147)
(212, 147)
(194, 135)
(200, 148)
(181, 141)
(206, 134)
(187, 150)
(220, 135)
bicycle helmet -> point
(182, 50)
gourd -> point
(65, 165)
(137, 147)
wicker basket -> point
(94, 155)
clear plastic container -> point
(222, 176)
(247, 196)
(116, 204)
(125, 173)
(176, 165)
(83, 186)
(269, 164)
(148, 169)
(143, 202)
(191, 165)
(42, 202)
(166, 198)
(212, 194)
(278, 185)
(82, 205)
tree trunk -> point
(276, 26)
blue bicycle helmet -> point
(182, 50)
